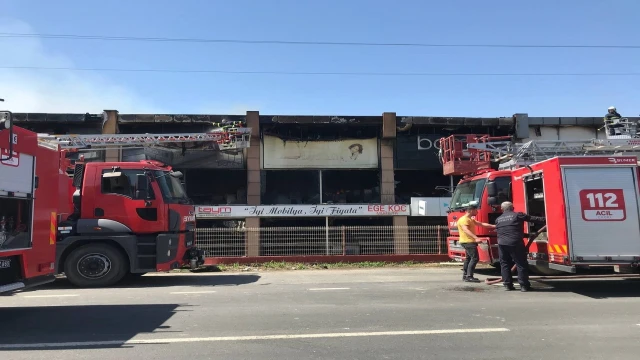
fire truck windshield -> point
(171, 187)
(466, 193)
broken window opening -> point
(290, 187)
(350, 186)
(421, 183)
(216, 186)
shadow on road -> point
(594, 288)
(603, 288)
(67, 326)
(151, 281)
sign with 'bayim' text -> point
(244, 211)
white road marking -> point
(322, 289)
(50, 296)
(247, 338)
(192, 292)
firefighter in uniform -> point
(509, 228)
(612, 119)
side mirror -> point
(6, 120)
(142, 187)
(492, 189)
(492, 200)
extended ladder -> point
(511, 154)
(226, 140)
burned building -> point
(323, 174)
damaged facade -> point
(311, 171)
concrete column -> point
(110, 126)
(387, 190)
(252, 238)
(387, 178)
(253, 159)
(400, 235)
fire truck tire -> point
(95, 265)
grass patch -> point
(286, 265)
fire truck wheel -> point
(95, 265)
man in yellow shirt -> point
(469, 240)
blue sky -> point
(612, 22)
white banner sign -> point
(429, 206)
(244, 211)
(339, 154)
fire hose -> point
(491, 281)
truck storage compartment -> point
(15, 224)
(602, 214)
(535, 199)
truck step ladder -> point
(228, 139)
(11, 287)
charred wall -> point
(211, 176)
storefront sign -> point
(339, 154)
(244, 211)
(418, 152)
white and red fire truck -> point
(587, 189)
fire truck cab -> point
(592, 211)
(482, 184)
(127, 218)
(482, 190)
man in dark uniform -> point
(612, 120)
(509, 227)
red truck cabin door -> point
(602, 213)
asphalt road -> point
(323, 314)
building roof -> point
(60, 118)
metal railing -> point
(323, 241)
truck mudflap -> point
(195, 257)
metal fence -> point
(323, 241)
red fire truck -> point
(28, 211)
(120, 218)
(96, 222)
(497, 170)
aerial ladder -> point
(470, 154)
(510, 155)
(229, 139)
